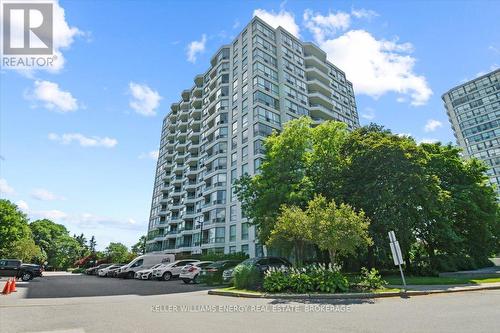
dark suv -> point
(16, 268)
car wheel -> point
(167, 276)
(26, 276)
(195, 279)
(150, 276)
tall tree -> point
(139, 248)
(282, 178)
(62, 250)
(294, 226)
(13, 226)
(117, 253)
(26, 250)
(92, 244)
(338, 229)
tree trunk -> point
(332, 256)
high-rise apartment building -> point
(214, 135)
(473, 109)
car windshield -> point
(250, 262)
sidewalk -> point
(412, 290)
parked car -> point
(262, 263)
(146, 274)
(107, 271)
(16, 268)
(93, 270)
(212, 274)
(191, 272)
(143, 262)
(167, 272)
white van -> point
(144, 262)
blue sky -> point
(77, 143)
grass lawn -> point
(434, 280)
(233, 289)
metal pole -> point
(402, 277)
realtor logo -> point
(27, 29)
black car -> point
(93, 270)
(16, 268)
(212, 274)
(262, 263)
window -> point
(244, 77)
(244, 169)
(234, 142)
(234, 159)
(232, 213)
(264, 57)
(232, 233)
(260, 97)
(220, 235)
(232, 249)
(265, 84)
(262, 114)
(265, 70)
(244, 231)
(244, 249)
(244, 90)
(261, 42)
(244, 152)
(244, 120)
(235, 128)
(258, 147)
(235, 84)
(262, 130)
(244, 106)
(256, 163)
(244, 136)
(234, 175)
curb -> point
(350, 295)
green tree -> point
(340, 230)
(26, 250)
(117, 253)
(466, 230)
(82, 241)
(61, 249)
(385, 177)
(293, 225)
(139, 248)
(92, 244)
(282, 179)
(13, 227)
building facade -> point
(473, 109)
(214, 135)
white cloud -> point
(84, 141)
(144, 100)
(284, 19)
(196, 47)
(151, 155)
(23, 205)
(45, 195)
(432, 125)
(5, 188)
(428, 140)
(368, 113)
(376, 67)
(363, 13)
(324, 26)
(53, 214)
(52, 97)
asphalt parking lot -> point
(76, 285)
(65, 303)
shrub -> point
(311, 278)
(247, 277)
(370, 279)
(276, 280)
(224, 256)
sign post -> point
(396, 255)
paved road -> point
(199, 312)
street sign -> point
(396, 253)
(397, 257)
